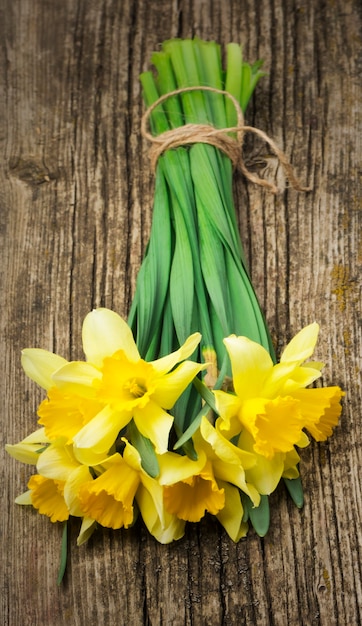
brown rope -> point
(218, 137)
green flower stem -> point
(194, 275)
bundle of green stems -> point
(194, 275)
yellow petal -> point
(175, 467)
(301, 347)
(75, 480)
(78, 378)
(228, 407)
(250, 364)
(101, 432)
(57, 461)
(86, 530)
(231, 516)
(24, 498)
(291, 461)
(27, 450)
(276, 379)
(223, 449)
(170, 386)
(89, 457)
(266, 474)
(40, 365)
(301, 377)
(155, 424)
(166, 363)
(166, 529)
(104, 332)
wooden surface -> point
(76, 203)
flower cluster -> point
(105, 449)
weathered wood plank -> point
(76, 204)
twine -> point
(218, 137)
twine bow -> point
(218, 137)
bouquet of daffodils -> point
(183, 409)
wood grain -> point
(76, 205)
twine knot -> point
(218, 137)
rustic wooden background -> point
(76, 206)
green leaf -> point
(192, 428)
(181, 278)
(145, 317)
(295, 489)
(205, 393)
(259, 516)
(146, 450)
(63, 554)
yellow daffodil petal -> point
(321, 409)
(40, 365)
(303, 442)
(109, 498)
(149, 496)
(101, 432)
(75, 480)
(266, 473)
(170, 386)
(301, 377)
(78, 378)
(38, 436)
(277, 378)
(301, 347)
(231, 516)
(155, 424)
(104, 332)
(47, 497)
(57, 461)
(86, 530)
(25, 453)
(191, 498)
(223, 449)
(291, 461)
(250, 364)
(24, 498)
(276, 425)
(27, 450)
(229, 461)
(175, 467)
(166, 363)
(228, 407)
(166, 529)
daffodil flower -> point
(270, 401)
(109, 498)
(91, 402)
(47, 496)
(54, 490)
(190, 487)
(230, 462)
